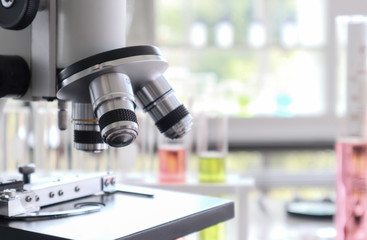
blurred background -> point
(273, 68)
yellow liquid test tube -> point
(212, 170)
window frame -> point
(318, 131)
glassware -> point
(212, 147)
(352, 152)
(172, 156)
(352, 73)
(351, 218)
(215, 232)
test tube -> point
(172, 156)
(351, 189)
(212, 147)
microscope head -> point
(78, 57)
(106, 85)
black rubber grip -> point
(172, 118)
(116, 115)
(87, 137)
(15, 76)
(20, 15)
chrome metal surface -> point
(85, 121)
(86, 125)
(83, 111)
(140, 69)
(47, 191)
(96, 147)
(158, 99)
(15, 205)
(152, 91)
(7, 3)
(120, 134)
(110, 92)
(56, 214)
(180, 128)
(10, 193)
(163, 105)
(52, 191)
(134, 193)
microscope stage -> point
(159, 214)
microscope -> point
(75, 51)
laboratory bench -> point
(235, 187)
(258, 218)
(157, 214)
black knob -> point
(14, 76)
(17, 14)
(27, 170)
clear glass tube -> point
(352, 74)
(212, 147)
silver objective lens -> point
(169, 114)
(87, 136)
(113, 104)
(104, 81)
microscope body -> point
(76, 51)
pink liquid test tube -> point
(351, 222)
(172, 164)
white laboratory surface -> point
(159, 214)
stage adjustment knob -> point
(17, 14)
(14, 76)
(26, 171)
